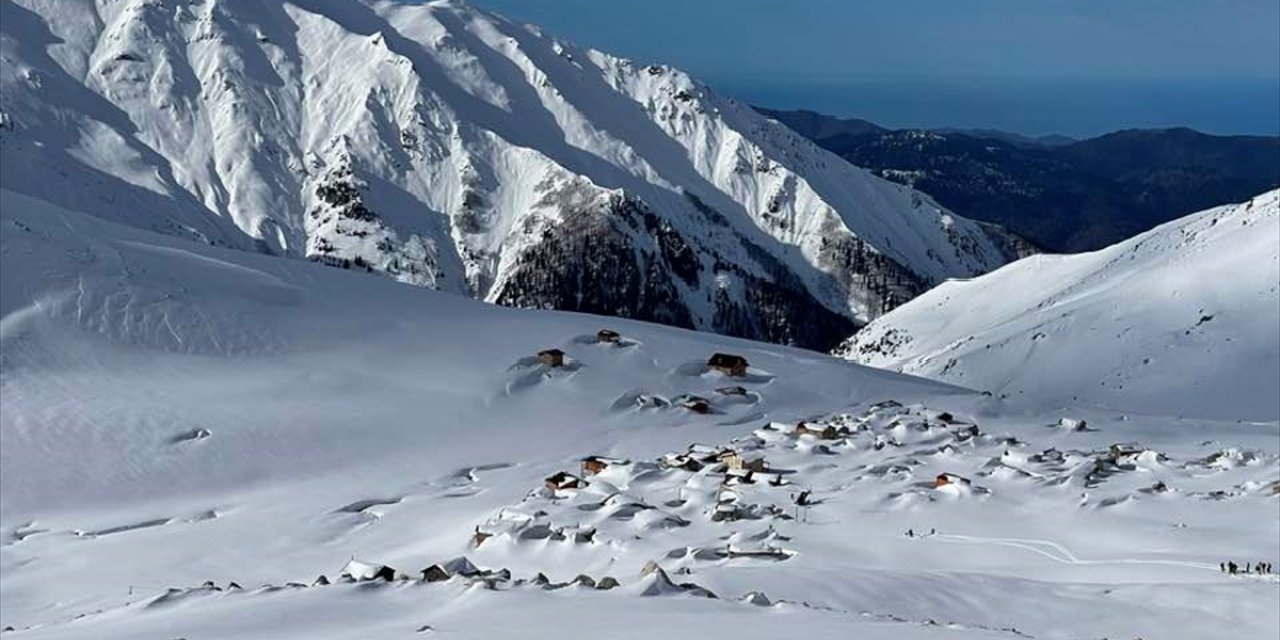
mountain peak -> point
(447, 147)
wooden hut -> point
(696, 404)
(728, 364)
(608, 336)
(551, 357)
(827, 432)
(435, 573)
(563, 480)
(1123, 450)
(591, 465)
(945, 479)
(368, 572)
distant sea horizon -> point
(1075, 107)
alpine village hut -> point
(368, 572)
(551, 357)
(608, 336)
(1121, 450)
(945, 479)
(591, 465)
(563, 480)
(728, 364)
(435, 573)
(696, 404)
(828, 432)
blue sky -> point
(1214, 64)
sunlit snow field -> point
(175, 414)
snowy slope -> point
(450, 148)
(1184, 320)
(173, 413)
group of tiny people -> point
(1233, 568)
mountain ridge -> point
(1063, 195)
(450, 148)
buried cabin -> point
(551, 357)
(591, 465)
(563, 480)
(945, 479)
(728, 364)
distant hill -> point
(1182, 318)
(1063, 196)
(818, 126)
(1016, 139)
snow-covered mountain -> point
(1183, 319)
(453, 149)
(176, 418)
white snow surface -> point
(173, 413)
(466, 135)
(1181, 320)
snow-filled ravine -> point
(176, 418)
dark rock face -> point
(775, 313)
(590, 262)
(620, 259)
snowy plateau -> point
(209, 432)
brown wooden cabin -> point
(608, 336)
(591, 465)
(945, 479)
(728, 364)
(435, 573)
(479, 537)
(1123, 449)
(682, 461)
(563, 480)
(697, 404)
(828, 432)
(551, 357)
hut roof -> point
(604, 459)
(726, 360)
(365, 570)
(461, 566)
